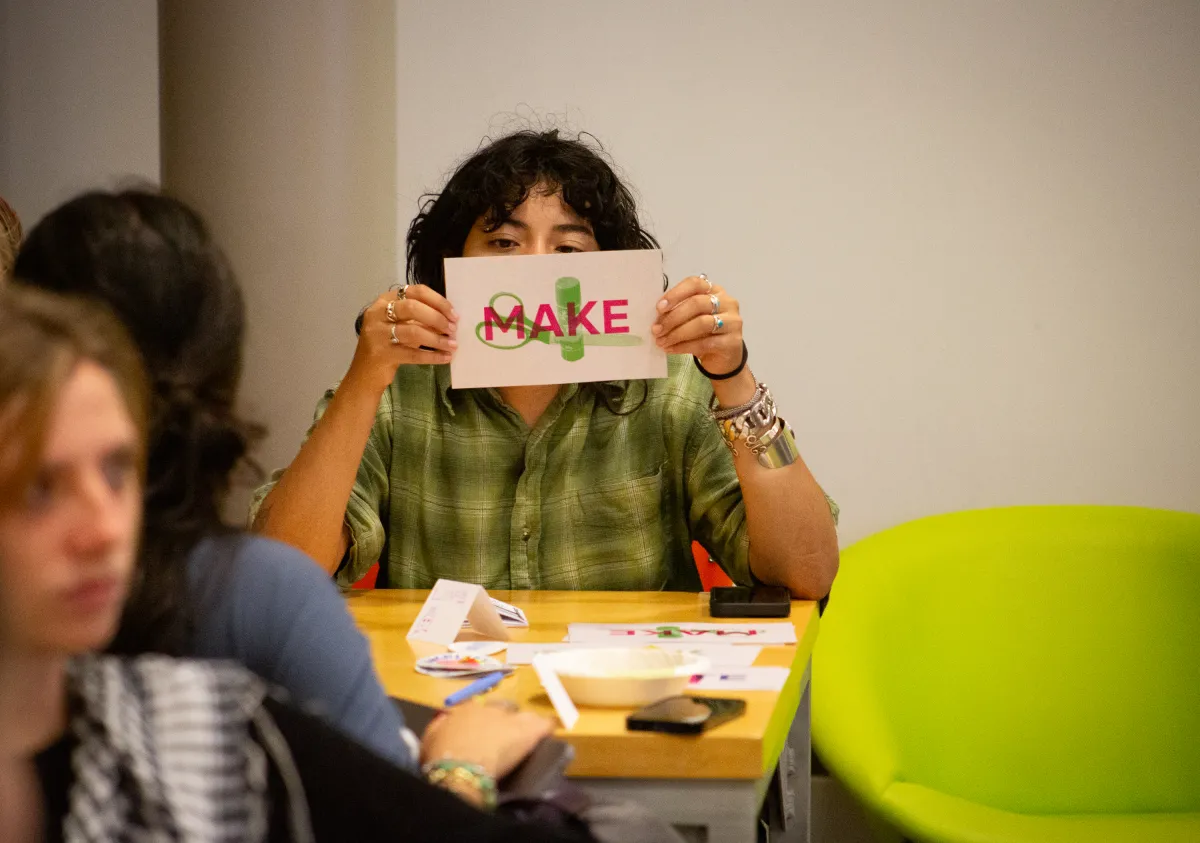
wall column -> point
(279, 125)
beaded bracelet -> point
(448, 771)
(721, 413)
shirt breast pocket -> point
(618, 528)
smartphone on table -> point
(762, 601)
(685, 715)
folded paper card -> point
(448, 605)
(563, 318)
(510, 614)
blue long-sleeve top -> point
(268, 606)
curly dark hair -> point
(491, 183)
(498, 178)
(151, 260)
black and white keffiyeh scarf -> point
(173, 750)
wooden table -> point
(716, 782)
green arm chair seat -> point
(926, 814)
(1018, 674)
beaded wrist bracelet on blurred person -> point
(757, 423)
(453, 775)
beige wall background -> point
(78, 99)
(966, 235)
(279, 125)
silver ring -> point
(716, 303)
(396, 339)
(402, 293)
(391, 311)
(704, 278)
(718, 324)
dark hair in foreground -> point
(150, 259)
(497, 178)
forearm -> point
(793, 539)
(307, 507)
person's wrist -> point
(736, 390)
(471, 781)
(367, 380)
(722, 369)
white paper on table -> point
(510, 615)
(719, 655)
(740, 679)
(450, 603)
(563, 705)
(562, 318)
(608, 634)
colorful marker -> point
(479, 686)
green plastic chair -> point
(1024, 674)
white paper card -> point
(511, 615)
(563, 706)
(450, 603)
(563, 318)
(746, 679)
(719, 655)
(608, 634)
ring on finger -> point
(391, 311)
(704, 278)
(396, 339)
(716, 303)
(402, 293)
(718, 324)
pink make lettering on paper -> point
(611, 317)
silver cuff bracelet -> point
(776, 448)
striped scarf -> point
(171, 750)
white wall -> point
(966, 235)
(78, 99)
(279, 126)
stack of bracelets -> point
(767, 435)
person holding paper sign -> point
(576, 486)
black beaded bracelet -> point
(727, 375)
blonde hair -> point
(43, 337)
(10, 238)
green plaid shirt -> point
(455, 484)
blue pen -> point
(476, 688)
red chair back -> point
(710, 572)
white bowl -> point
(623, 677)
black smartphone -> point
(762, 601)
(541, 772)
(685, 715)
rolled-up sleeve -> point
(369, 498)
